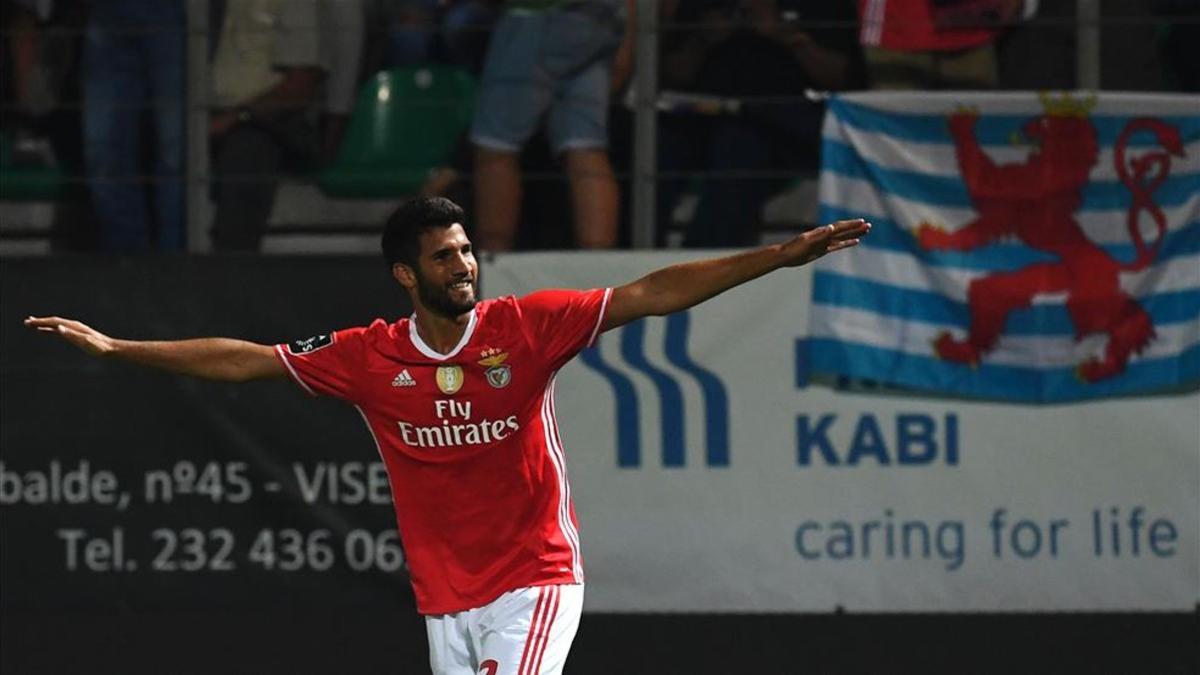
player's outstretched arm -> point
(678, 287)
(211, 358)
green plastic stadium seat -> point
(26, 183)
(405, 123)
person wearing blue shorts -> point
(551, 62)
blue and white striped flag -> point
(1025, 247)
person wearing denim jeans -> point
(548, 60)
(133, 62)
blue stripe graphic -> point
(995, 381)
(716, 400)
(842, 159)
(633, 349)
(629, 442)
(837, 290)
(992, 129)
(887, 235)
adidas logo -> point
(404, 380)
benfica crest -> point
(498, 373)
(449, 378)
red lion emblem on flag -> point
(1035, 202)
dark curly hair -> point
(402, 233)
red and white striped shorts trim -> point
(527, 631)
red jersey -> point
(911, 26)
(469, 439)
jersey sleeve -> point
(325, 364)
(560, 323)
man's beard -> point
(437, 298)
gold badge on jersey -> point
(498, 373)
(449, 378)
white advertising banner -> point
(709, 475)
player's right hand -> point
(807, 247)
(79, 334)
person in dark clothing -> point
(765, 54)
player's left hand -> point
(815, 243)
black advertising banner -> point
(128, 494)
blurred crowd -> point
(100, 89)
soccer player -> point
(459, 399)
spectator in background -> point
(935, 44)
(267, 73)
(764, 54)
(346, 32)
(24, 79)
(133, 63)
(42, 122)
(549, 58)
(26, 87)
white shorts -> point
(527, 631)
